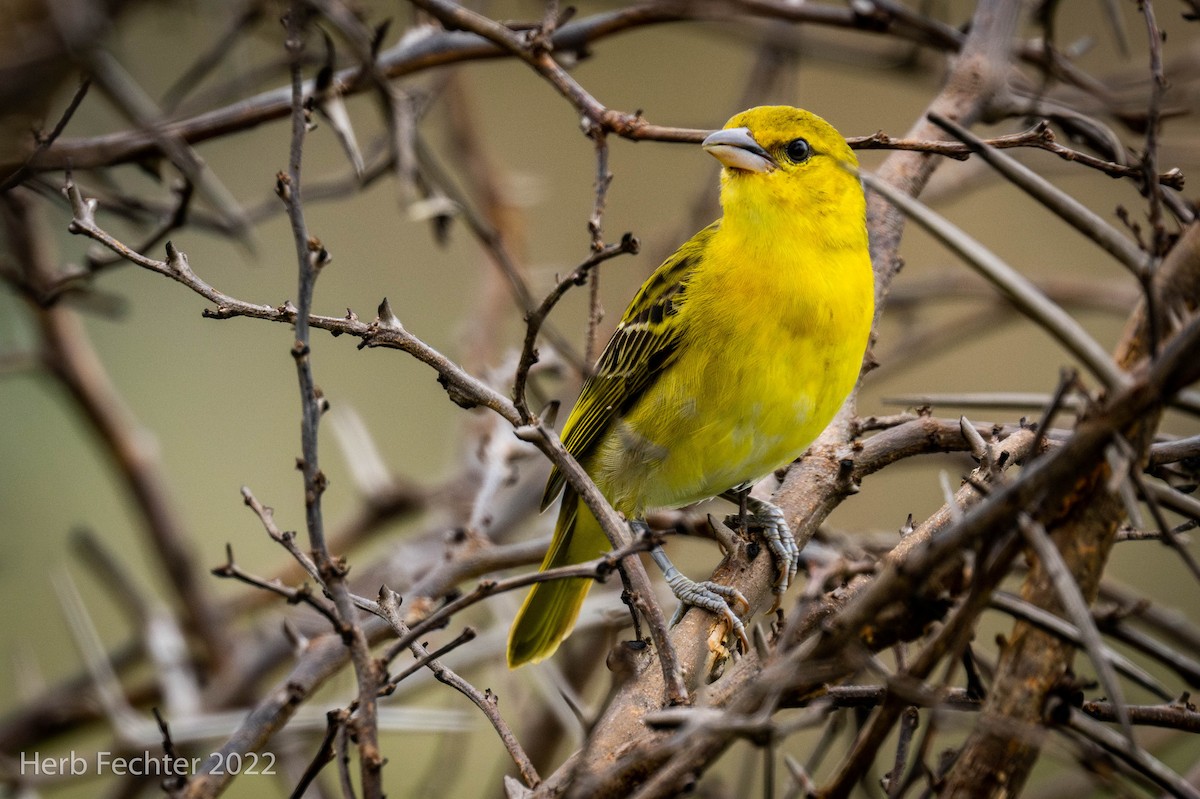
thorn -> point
(177, 261)
(83, 210)
(297, 639)
(979, 447)
(549, 414)
(386, 318)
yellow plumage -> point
(733, 356)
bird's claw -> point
(780, 541)
(713, 597)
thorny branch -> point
(311, 258)
(1084, 467)
(484, 700)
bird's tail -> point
(551, 608)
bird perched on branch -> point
(734, 355)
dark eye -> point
(798, 151)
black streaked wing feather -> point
(643, 345)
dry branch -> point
(883, 629)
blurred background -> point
(218, 399)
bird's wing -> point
(643, 345)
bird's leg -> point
(710, 596)
(778, 536)
(627, 597)
(743, 496)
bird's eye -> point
(798, 151)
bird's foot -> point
(716, 598)
(768, 518)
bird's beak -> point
(737, 149)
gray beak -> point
(737, 149)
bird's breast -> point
(749, 391)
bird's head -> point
(780, 159)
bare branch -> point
(486, 701)
(1015, 286)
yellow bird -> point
(734, 355)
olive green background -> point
(220, 397)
